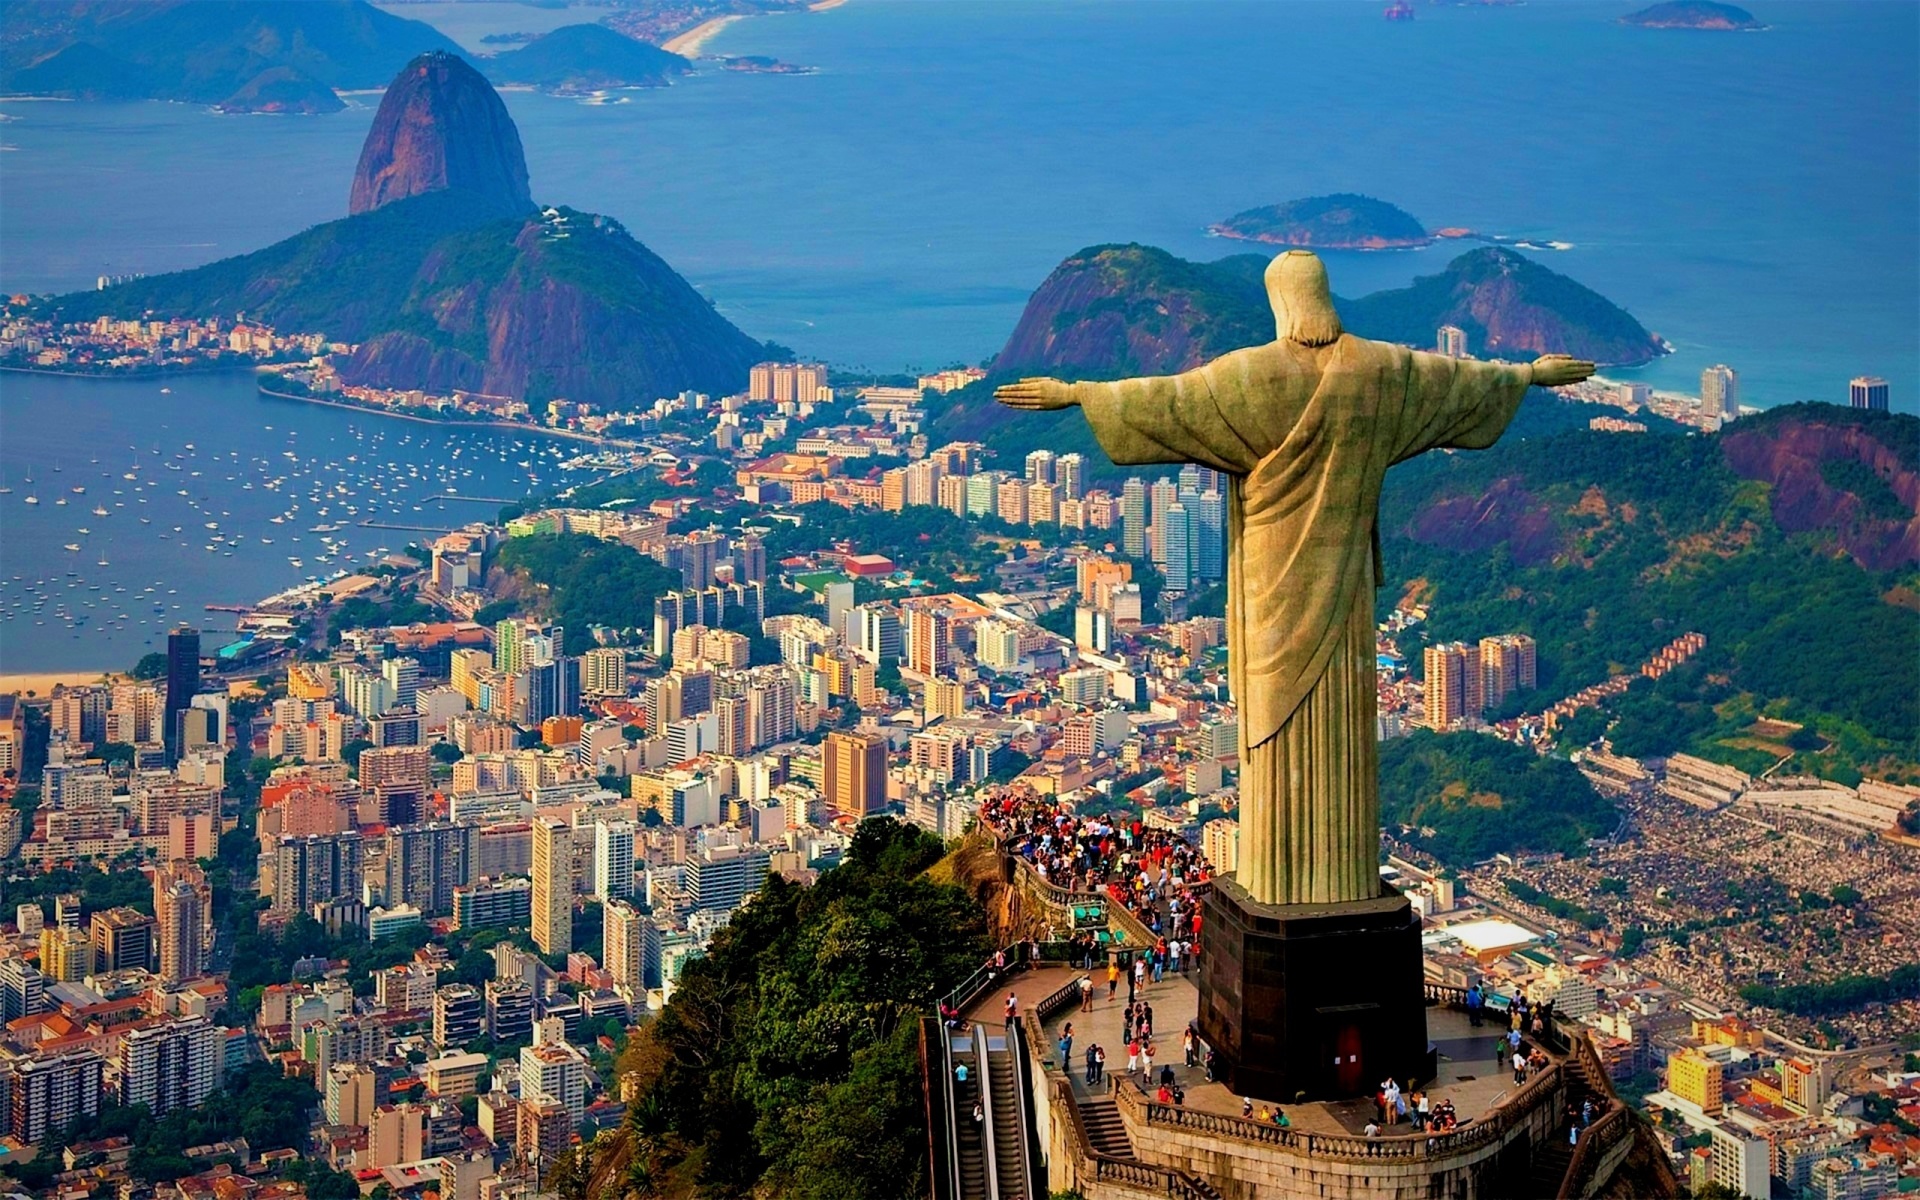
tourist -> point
(1099, 1063)
(1208, 1060)
(1146, 1061)
(1246, 1107)
(960, 1073)
(1281, 1119)
(1066, 1048)
(1188, 1047)
(1372, 1130)
(1113, 977)
(1166, 1074)
(1519, 1067)
(1390, 1101)
(1086, 993)
(1013, 1008)
(1133, 1055)
(1475, 1002)
(1091, 1073)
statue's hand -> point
(1554, 370)
(1036, 395)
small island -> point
(1694, 14)
(760, 64)
(1343, 221)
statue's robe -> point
(1307, 436)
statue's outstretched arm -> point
(1466, 404)
(1154, 419)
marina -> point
(223, 495)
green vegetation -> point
(1566, 910)
(1605, 548)
(150, 666)
(96, 888)
(1877, 498)
(1468, 797)
(1845, 994)
(361, 612)
(588, 581)
(786, 1063)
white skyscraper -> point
(613, 860)
(1720, 392)
(1176, 547)
(1133, 518)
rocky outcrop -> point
(442, 127)
(564, 305)
(1807, 495)
(1505, 513)
(1110, 311)
(1510, 307)
(448, 280)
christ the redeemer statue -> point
(1305, 427)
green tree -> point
(150, 666)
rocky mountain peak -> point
(442, 127)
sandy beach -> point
(690, 42)
(42, 683)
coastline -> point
(41, 683)
(141, 373)
(688, 44)
(370, 410)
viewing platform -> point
(1113, 1138)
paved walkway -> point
(1468, 1072)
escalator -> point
(1012, 1174)
(968, 1142)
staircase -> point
(1551, 1160)
(1106, 1132)
(1009, 1139)
(967, 1140)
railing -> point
(942, 1142)
(1599, 1137)
(989, 1143)
(1124, 1172)
(1490, 1128)
(1022, 1067)
(1019, 958)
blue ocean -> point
(1751, 197)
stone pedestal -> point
(1322, 999)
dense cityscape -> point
(790, 680)
(438, 870)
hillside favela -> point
(1015, 600)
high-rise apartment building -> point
(402, 676)
(425, 863)
(554, 1073)
(1447, 695)
(1451, 341)
(855, 772)
(1210, 537)
(929, 640)
(1720, 392)
(613, 860)
(1070, 473)
(722, 877)
(182, 912)
(459, 1015)
(1176, 547)
(49, 1093)
(603, 672)
(1161, 496)
(316, 868)
(23, 990)
(552, 886)
(1869, 392)
(173, 1065)
(66, 954)
(1040, 465)
(623, 940)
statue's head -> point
(1302, 301)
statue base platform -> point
(1313, 1001)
